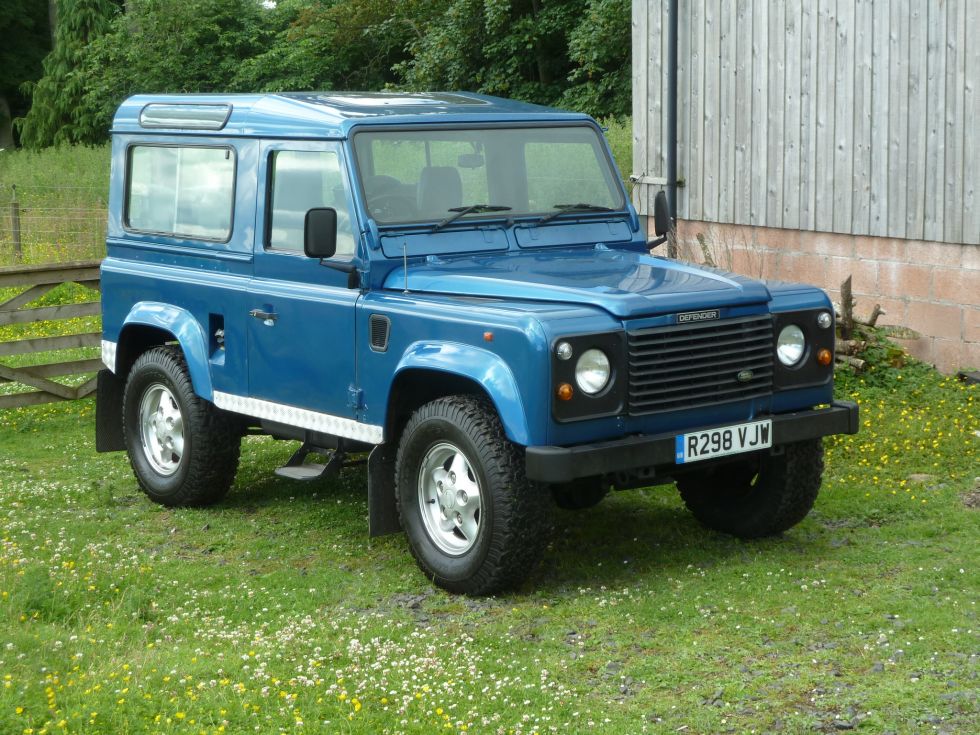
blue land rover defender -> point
(458, 287)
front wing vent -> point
(380, 327)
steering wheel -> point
(392, 206)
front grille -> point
(679, 367)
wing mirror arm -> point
(320, 241)
(661, 220)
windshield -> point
(415, 176)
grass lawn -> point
(274, 612)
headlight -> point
(592, 371)
(790, 346)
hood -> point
(625, 284)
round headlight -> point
(791, 345)
(592, 371)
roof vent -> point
(184, 116)
(380, 326)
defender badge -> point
(698, 316)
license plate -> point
(712, 443)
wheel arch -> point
(429, 371)
(151, 324)
(426, 373)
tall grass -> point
(61, 196)
(619, 133)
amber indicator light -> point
(565, 392)
(488, 336)
(824, 357)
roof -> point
(317, 114)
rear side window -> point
(181, 190)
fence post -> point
(15, 223)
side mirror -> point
(320, 233)
(661, 220)
(661, 214)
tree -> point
(24, 28)
(339, 44)
(599, 49)
(572, 52)
(169, 46)
(56, 114)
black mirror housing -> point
(661, 220)
(661, 214)
(320, 233)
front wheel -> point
(183, 450)
(757, 497)
(474, 523)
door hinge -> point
(355, 398)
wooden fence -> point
(33, 282)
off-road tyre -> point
(581, 494)
(211, 438)
(514, 516)
(758, 497)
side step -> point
(298, 469)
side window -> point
(184, 191)
(300, 181)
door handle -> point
(268, 317)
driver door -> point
(301, 331)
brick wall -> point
(931, 287)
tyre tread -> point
(787, 490)
(520, 514)
(214, 461)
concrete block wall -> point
(931, 287)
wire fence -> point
(51, 224)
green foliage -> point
(170, 46)
(24, 30)
(619, 134)
(887, 364)
(57, 115)
(569, 52)
(599, 49)
(347, 44)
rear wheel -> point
(758, 497)
(183, 450)
(474, 523)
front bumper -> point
(564, 464)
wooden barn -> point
(817, 139)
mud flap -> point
(382, 509)
(108, 412)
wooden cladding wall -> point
(853, 116)
(22, 285)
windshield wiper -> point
(564, 209)
(468, 209)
